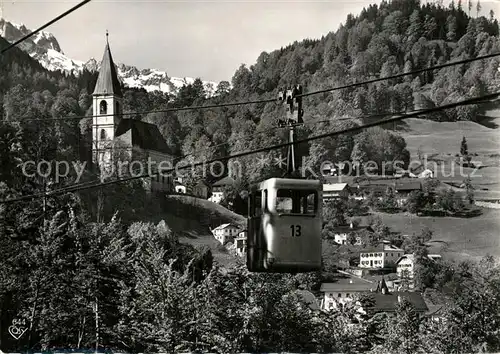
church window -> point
(103, 107)
(103, 134)
(117, 108)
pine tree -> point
(403, 332)
(469, 190)
(464, 150)
(415, 28)
(389, 200)
(430, 26)
(451, 27)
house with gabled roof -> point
(202, 189)
(401, 186)
(405, 265)
(404, 187)
(343, 290)
(226, 233)
(341, 233)
(241, 243)
(380, 256)
(219, 187)
(335, 191)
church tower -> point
(107, 108)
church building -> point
(130, 139)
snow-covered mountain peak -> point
(45, 48)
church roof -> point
(389, 302)
(143, 135)
(107, 81)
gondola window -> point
(290, 201)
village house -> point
(365, 189)
(426, 174)
(381, 256)
(341, 233)
(335, 191)
(338, 293)
(378, 188)
(241, 243)
(436, 313)
(179, 186)
(405, 266)
(201, 190)
(403, 189)
(225, 233)
(219, 187)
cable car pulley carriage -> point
(285, 214)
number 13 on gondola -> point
(296, 230)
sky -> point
(206, 39)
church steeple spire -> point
(107, 109)
(107, 82)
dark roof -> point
(400, 184)
(144, 135)
(348, 284)
(226, 181)
(377, 182)
(389, 302)
(408, 185)
(107, 81)
(378, 248)
(377, 188)
(383, 246)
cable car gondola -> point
(284, 226)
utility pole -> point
(292, 99)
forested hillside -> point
(383, 40)
(392, 38)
